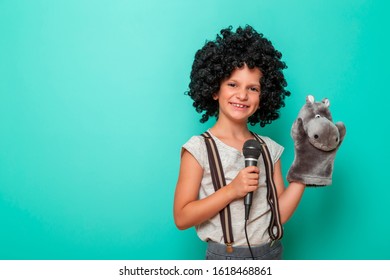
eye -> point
(255, 89)
(231, 84)
(317, 116)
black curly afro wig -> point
(216, 61)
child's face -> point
(239, 95)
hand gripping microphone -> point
(251, 151)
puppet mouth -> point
(322, 146)
(241, 106)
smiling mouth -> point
(239, 105)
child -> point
(238, 79)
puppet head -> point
(317, 122)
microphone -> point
(251, 151)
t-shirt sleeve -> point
(197, 148)
(275, 149)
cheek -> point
(258, 101)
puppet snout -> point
(323, 134)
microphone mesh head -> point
(251, 149)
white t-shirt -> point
(233, 161)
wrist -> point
(230, 192)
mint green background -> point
(93, 115)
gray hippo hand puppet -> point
(316, 141)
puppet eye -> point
(317, 116)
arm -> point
(289, 197)
(189, 210)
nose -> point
(242, 94)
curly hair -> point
(216, 60)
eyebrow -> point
(250, 84)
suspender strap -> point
(275, 228)
(218, 178)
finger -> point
(253, 176)
(252, 169)
(252, 187)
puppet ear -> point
(310, 99)
(326, 102)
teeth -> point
(239, 105)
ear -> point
(215, 96)
(310, 99)
(326, 102)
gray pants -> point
(269, 251)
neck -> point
(223, 129)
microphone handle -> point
(248, 196)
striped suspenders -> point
(275, 228)
(218, 178)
